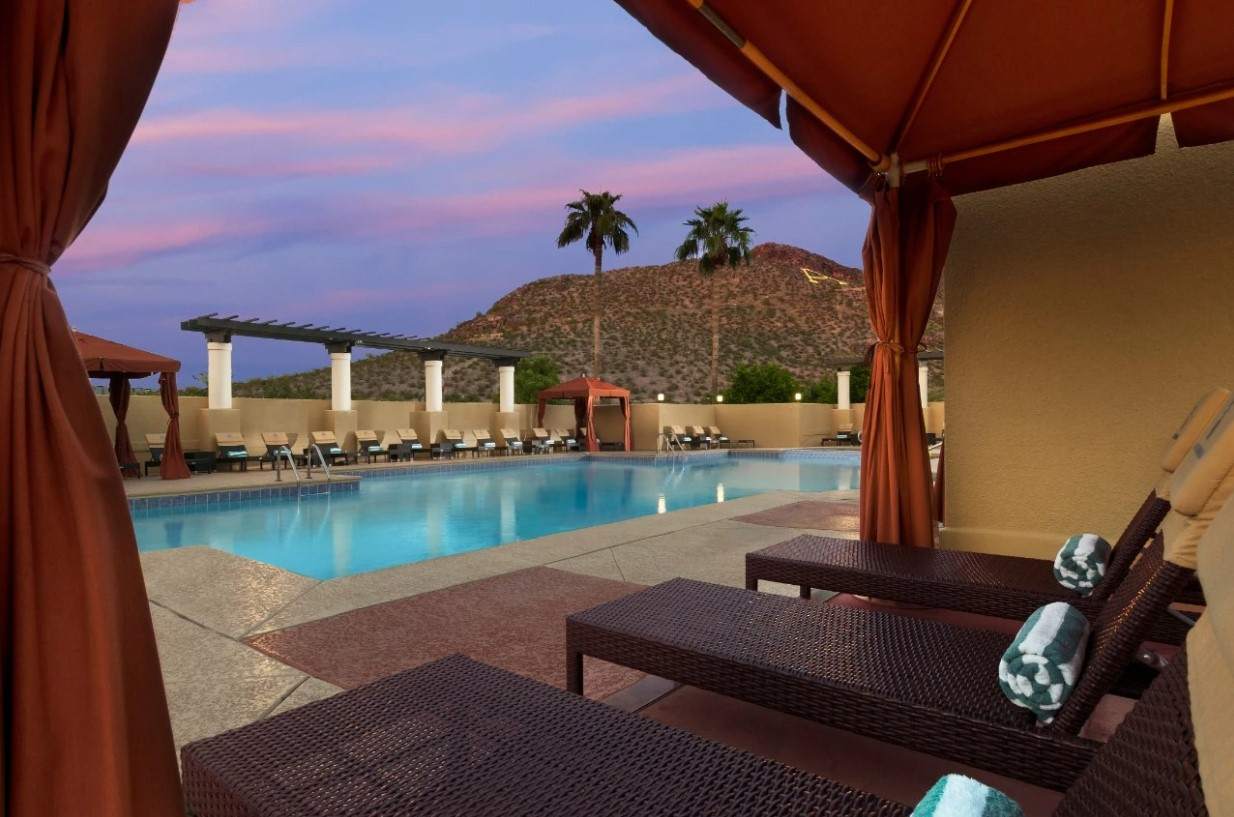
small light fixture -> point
(660, 397)
(719, 398)
(797, 397)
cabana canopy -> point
(585, 391)
(910, 103)
(991, 94)
(120, 364)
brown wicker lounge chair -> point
(456, 737)
(904, 680)
(989, 584)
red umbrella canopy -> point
(969, 89)
(104, 358)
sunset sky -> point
(398, 166)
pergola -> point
(120, 364)
(339, 342)
(585, 391)
(909, 104)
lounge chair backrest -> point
(366, 435)
(1182, 441)
(156, 441)
(229, 439)
(714, 431)
(273, 439)
(407, 435)
(324, 438)
(509, 433)
(452, 434)
(481, 434)
(539, 433)
(697, 431)
(1150, 765)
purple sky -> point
(376, 164)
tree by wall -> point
(534, 374)
(761, 383)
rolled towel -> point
(1080, 564)
(1040, 668)
(958, 796)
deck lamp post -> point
(660, 397)
(719, 398)
(797, 397)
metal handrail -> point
(325, 466)
(284, 452)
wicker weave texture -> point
(922, 684)
(1149, 768)
(457, 737)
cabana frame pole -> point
(1166, 24)
(760, 60)
(1135, 114)
(927, 79)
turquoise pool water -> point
(398, 520)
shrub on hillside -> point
(821, 391)
(761, 383)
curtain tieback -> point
(896, 349)
(31, 264)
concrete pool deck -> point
(205, 602)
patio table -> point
(460, 737)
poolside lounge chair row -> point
(683, 437)
(924, 684)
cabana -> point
(120, 364)
(908, 105)
(585, 391)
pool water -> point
(402, 519)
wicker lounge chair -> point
(328, 445)
(540, 441)
(511, 442)
(569, 440)
(278, 448)
(368, 445)
(456, 737)
(899, 679)
(452, 442)
(408, 445)
(155, 443)
(989, 584)
(678, 435)
(484, 441)
(231, 450)
(718, 438)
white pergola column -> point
(923, 384)
(505, 387)
(218, 371)
(432, 384)
(340, 376)
(844, 400)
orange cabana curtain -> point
(83, 719)
(905, 247)
(118, 391)
(173, 465)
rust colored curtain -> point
(83, 719)
(173, 465)
(905, 247)
(118, 391)
(625, 413)
(940, 486)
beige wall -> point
(772, 425)
(1085, 315)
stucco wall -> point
(1085, 315)
(772, 425)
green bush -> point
(859, 384)
(532, 375)
(823, 391)
(761, 383)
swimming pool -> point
(402, 519)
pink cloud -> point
(102, 246)
(460, 124)
(257, 169)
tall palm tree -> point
(717, 238)
(595, 220)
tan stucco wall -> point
(1085, 315)
(772, 425)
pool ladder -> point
(325, 466)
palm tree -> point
(595, 220)
(717, 238)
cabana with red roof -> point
(585, 391)
(119, 364)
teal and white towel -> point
(1040, 668)
(958, 796)
(1080, 564)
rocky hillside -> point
(788, 305)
